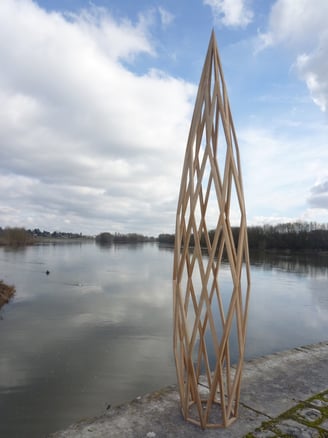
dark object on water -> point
(47, 272)
(6, 292)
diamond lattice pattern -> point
(211, 263)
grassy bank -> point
(15, 237)
(6, 292)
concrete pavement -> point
(283, 394)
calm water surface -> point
(97, 329)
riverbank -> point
(6, 293)
(283, 393)
(61, 240)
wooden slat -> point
(202, 179)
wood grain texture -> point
(211, 271)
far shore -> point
(59, 240)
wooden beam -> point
(205, 312)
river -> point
(97, 330)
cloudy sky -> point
(96, 99)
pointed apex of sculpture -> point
(213, 37)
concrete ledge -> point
(270, 386)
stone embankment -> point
(282, 395)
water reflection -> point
(92, 333)
(305, 264)
(97, 329)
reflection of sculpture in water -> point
(205, 320)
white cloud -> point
(92, 142)
(166, 17)
(319, 215)
(231, 13)
(313, 69)
(302, 27)
(120, 40)
(279, 171)
(297, 22)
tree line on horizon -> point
(19, 236)
(15, 236)
(297, 236)
(109, 238)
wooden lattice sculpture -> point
(211, 277)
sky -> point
(96, 100)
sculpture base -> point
(207, 416)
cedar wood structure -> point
(211, 273)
